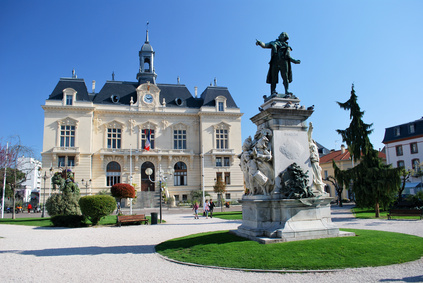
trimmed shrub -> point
(63, 204)
(96, 207)
(71, 221)
(120, 191)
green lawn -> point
(230, 215)
(45, 222)
(369, 213)
(368, 248)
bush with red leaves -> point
(120, 191)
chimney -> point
(343, 149)
(93, 86)
(195, 91)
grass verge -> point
(369, 213)
(368, 248)
(230, 215)
(109, 220)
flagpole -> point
(130, 174)
(4, 182)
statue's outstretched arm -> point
(262, 44)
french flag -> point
(147, 140)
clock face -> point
(148, 98)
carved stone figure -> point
(255, 164)
(314, 159)
(280, 61)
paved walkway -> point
(112, 254)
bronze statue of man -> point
(280, 61)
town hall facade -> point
(114, 135)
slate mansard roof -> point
(76, 84)
(405, 131)
(125, 90)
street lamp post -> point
(86, 184)
(162, 178)
(45, 177)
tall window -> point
(144, 135)
(221, 139)
(226, 162)
(69, 99)
(413, 148)
(180, 177)
(114, 138)
(218, 161)
(71, 161)
(62, 160)
(67, 136)
(416, 164)
(112, 173)
(221, 106)
(180, 139)
(397, 131)
(399, 150)
(227, 178)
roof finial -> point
(146, 36)
(74, 74)
(113, 76)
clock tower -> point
(146, 71)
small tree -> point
(338, 188)
(197, 196)
(9, 158)
(219, 188)
(120, 191)
(96, 207)
(65, 201)
(405, 176)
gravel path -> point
(112, 254)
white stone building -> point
(30, 188)
(404, 148)
(104, 136)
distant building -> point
(343, 160)
(114, 135)
(404, 148)
(30, 188)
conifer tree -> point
(374, 183)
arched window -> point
(112, 173)
(180, 177)
(147, 185)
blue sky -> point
(377, 45)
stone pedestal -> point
(280, 220)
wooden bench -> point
(405, 212)
(131, 218)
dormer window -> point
(397, 131)
(69, 96)
(69, 99)
(220, 103)
(221, 106)
(411, 129)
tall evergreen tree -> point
(374, 183)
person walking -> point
(206, 209)
(29, 208)
(211, 207)
(195, 208)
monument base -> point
(272, 219)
